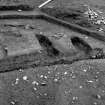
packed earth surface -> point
(54, 55)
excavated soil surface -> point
(32, 74)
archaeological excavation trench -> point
(51, 56)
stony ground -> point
(80, 83)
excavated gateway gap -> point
(35, 59)
(49, 57)
(42, 59)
